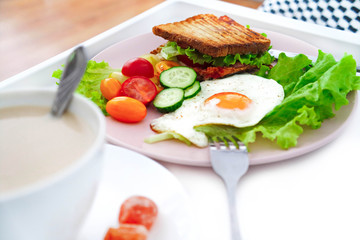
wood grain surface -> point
(31, 31)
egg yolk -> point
(230, 100)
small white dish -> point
(127, 173)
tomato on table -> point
(126, 109)
(138, 210)
(138, 67)
(110, 88)
(140, 88)
(127, 232)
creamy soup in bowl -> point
(49, 167)
(34, 145)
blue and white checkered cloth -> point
(339, 14)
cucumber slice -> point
(192, 90)
(169, 99)
(178, 77)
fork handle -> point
(231, 194)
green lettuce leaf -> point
(311, 95)
(171, 50)
(89, 85)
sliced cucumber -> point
(178, 77)
(169, 99)
(192, 90)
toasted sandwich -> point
(214, 47)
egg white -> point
(264, 93)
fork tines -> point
(227, 144)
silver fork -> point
(230, 161)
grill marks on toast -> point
(214, 36)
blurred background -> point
(32, 31)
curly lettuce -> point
(89, 85)
(171, 50)
(311, 96)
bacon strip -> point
(220, 72)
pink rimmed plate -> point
(262, 151)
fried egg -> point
(240, 101)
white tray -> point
(298, 199)
(329, 40)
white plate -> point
(132, 136)
(127, 173)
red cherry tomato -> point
(138, 67)
(138, 210)
(126, 109)
(110, 88)
(140, 88)
(127, 232)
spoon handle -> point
(70, 78)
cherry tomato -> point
(138, 210)
(165, 65)
(138, 67)
(126, 109)
(140, 88)
(127, 232)
(110, 88)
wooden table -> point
(32, 31)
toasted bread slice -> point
(214, 36)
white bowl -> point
(54, 207)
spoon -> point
(74, 70)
